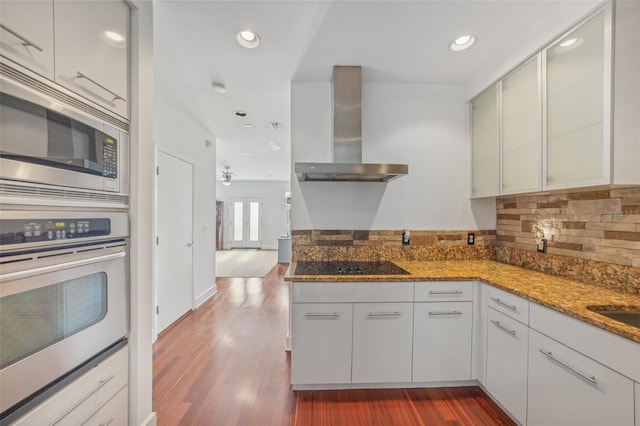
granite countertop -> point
(560, 294)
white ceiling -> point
(394, 41)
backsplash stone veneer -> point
(316, 245)
(593, 234)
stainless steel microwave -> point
(46, 142)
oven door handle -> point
(11, 276)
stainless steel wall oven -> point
(63, 297)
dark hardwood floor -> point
(225, 364)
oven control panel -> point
(22, 231)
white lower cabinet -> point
(382, 340)
(86, 396)
(442, 341)
(637, 393)
(567, 388)
(506, 371)
(321, 343)
(114, 413)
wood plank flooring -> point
(225, 364)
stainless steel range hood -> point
(347, 163)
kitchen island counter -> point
(566, 296)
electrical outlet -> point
(406, 234)
(471, 238)
(541, 245)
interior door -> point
(174, 264)
(246, 223)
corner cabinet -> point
(26, 34)
(91, 40)
(484, 144)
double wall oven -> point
(64, 237)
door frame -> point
(246, 201)
(154, 289)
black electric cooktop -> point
(349, 268)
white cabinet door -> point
(382, 339)
(521, 129)
(567, 388)
(484, 144)
(321, 343)
(92, 39)
(578, 105)
(507, 363)
(26, 35)
(442, 341)
(113, 413)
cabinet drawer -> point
(321, 343)
(74, 404)
(442, 341)
(567, 388)
(444, 291)
(507, 343)
(332, 292)
(113, 413)
(509, 304)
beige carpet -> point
(245, 263)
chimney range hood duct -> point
(347, 138)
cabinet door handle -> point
(438, 292)
(497, 324)
(506, 305)
(384, 314)
(552, 357)
(25, 41)
(436, 313)
(101, 383)
(115, 95)
(322, 314)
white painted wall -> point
(141, 252)
(424, 126)
(274, 213)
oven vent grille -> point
(37, 192)
(61, 96)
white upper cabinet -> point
(522, 129)
(484, 144)
(578, 106)
(26, 34)
(91, 51)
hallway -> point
(225, 364)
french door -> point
(246, 223)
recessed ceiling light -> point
(240, 114)
(113, 36)
(248, 154)
(463, 42)
(569, 42)
(248, 39)
(275, 125)
(248, 125)
(219, 88)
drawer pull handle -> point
(25, 42)
(437, 313)
(440, 292)
(384, 314)
(115, 95)
(101, 383)
(322, 314)
(107, 423)
(506, 305)
(549, 355)
(502, 327)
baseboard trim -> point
(205, 295)
(400, 385)
(152, 420)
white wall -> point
(274, 213)
(179, 134)
(141, 263)
(424, 126)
